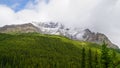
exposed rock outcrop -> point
(98, 38)
(23, 28)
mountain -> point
(59, 29)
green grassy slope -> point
(34, 50)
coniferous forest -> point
(33, 50)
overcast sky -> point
(97, 15)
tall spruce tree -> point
(96, 60)
(90, 58)
(83, 58)
(105, 58)
(113, 57)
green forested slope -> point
(32, 50)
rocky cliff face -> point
(98, 38)
(59, 29)
(23, 28)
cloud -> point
(97, 15)
(66, 11)
(8, 16)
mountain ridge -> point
(59, 29)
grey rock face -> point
(98, 38)
(23, 28)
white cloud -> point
(98, 15)
(6, 15)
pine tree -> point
(90, 58)
(96, 60)
(83, 58)
(105, 60)
(113, 58)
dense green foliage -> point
(34, 50)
